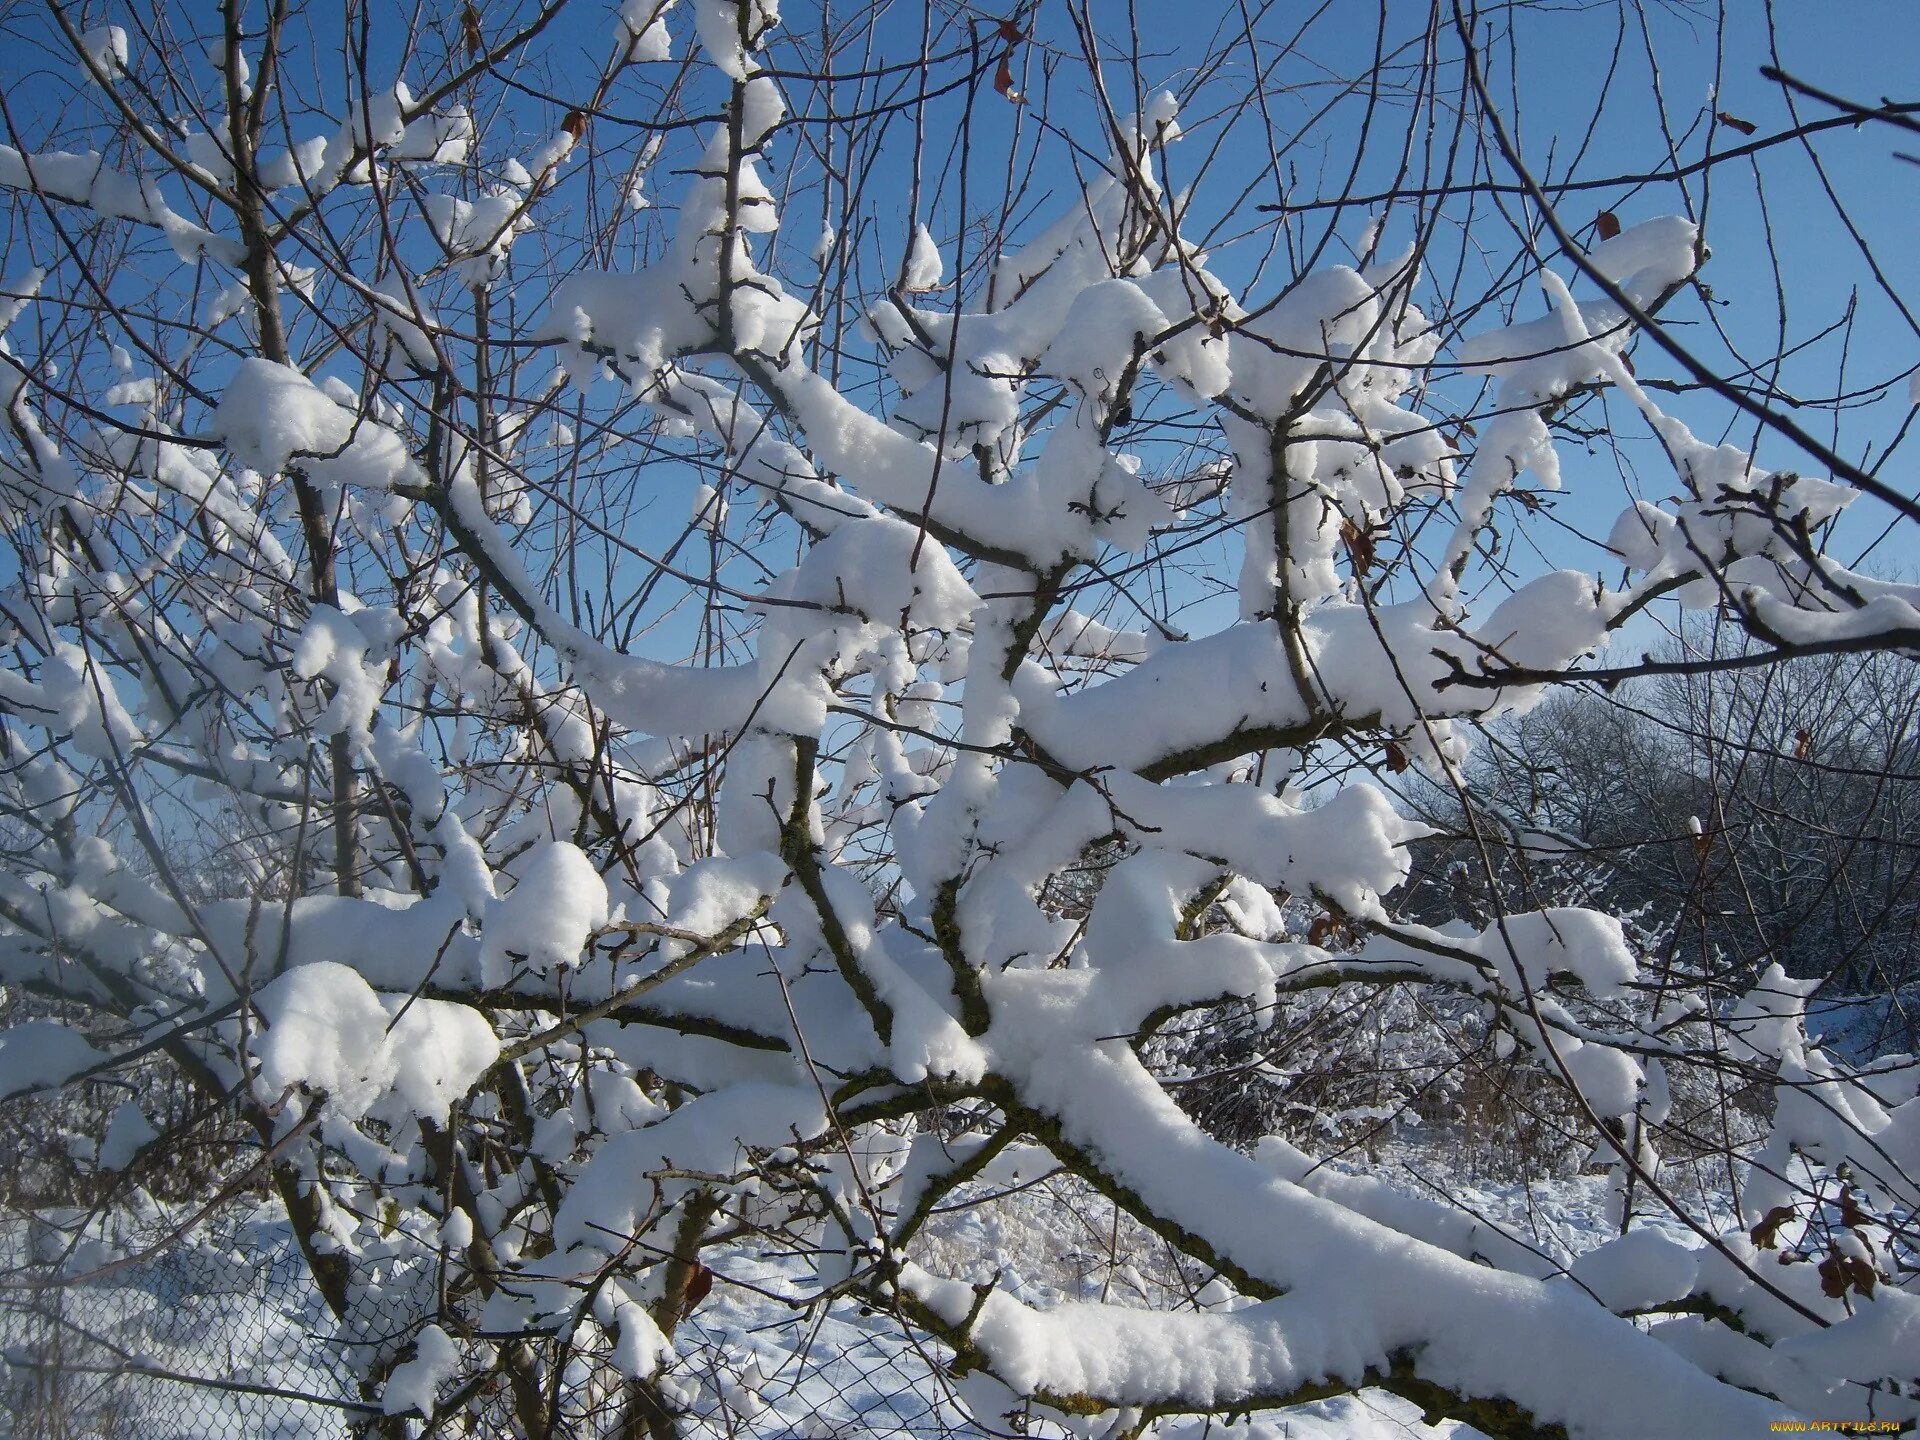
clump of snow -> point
(762, 108)
(439, 1051)
(477, 234)
(85, 179)
(719, 24)
(337, 645)
(545, 921)
(396, 308)
(272, 414)
(1607, 1078)
(41, 1054)
(1638, 1271)
(709, 508)
(924, 267)
(1650, 257)
(414, 1386)
(645, 22)
(329, 1033)
(1109, 323)
(1586, 944)
(1160, 122)
(106, 48)
(642, 1347)
(128, 1132)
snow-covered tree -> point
(562, 891)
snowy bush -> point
(620, 736)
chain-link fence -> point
(221, 1335)
(216, 1334)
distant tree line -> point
(1741, 816)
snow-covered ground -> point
(754, 1361)
(238, 1310)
